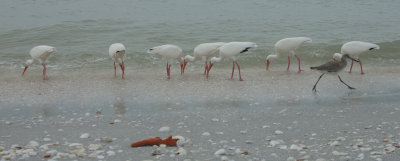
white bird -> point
(205, 50)
(334, 66)
(355, 48)
(232, 50)
(39, 53)
(117, 53)
(168, 52)
(287, 46)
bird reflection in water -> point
(119, 106)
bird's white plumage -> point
(204, 50)
(355, 48)
(40, 53)
(117, 52)
(288, 46)
(167, 51)
(232, 50)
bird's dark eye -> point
(150, 49)
(118, 51)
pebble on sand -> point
(164, 129)
(85, 136)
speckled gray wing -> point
(331, 66)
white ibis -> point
(287, 46)
(205, 50)
(334, 66)
(39, 53)
(355, 48)
(232, 50)
(117, 53)
(168, 52)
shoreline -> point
(270, 115)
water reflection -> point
(118, 106)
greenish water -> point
(83, 30)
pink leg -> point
(205, 67)
(362, 72)
(44, 71)
(233, 69)
(351, 66)
(240, 76)
(298, 60)
(288, 65)
(209, 68)
(123, 69)
(115, 70)
(168, 70)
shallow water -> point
(83, 30)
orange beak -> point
(209, 68)
(267, 64)
(184, 66)
(26, 67)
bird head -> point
(337, 57)
(27, 63)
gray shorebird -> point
(355, 48)
(334, 66)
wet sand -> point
(269, 116)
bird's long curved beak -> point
(182, 69)
(184, 66)
(267, 64)
(209, 68)
(26, 67)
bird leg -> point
(115, 70)
(345, 83)
(288, 65)
(209, 68)
(359, 61)
(240, 77)
(123, 69)
(315, 85)
(44, 71)
(233, 69)
(298, 60)
(168, 66)
(205, 68)
(267, 62)
(351, 66)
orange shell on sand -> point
(155, 141)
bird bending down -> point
(232, 50)
(287, 46)
(205, 50)
(117, 53)
(334, 66)
(168, 52)
(39, 53)
(355, 48)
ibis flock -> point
(208, 51)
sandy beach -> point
(269, 116)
